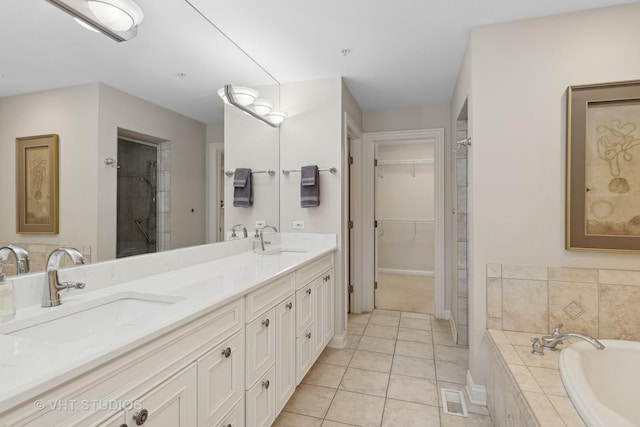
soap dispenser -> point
(7, 303)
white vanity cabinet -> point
(270, 351)
(314, 318)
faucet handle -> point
(73, 285)
(537, 348)
(556, 331)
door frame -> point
(364, 266)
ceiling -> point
(402, 53)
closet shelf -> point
(270, 172)
(406, 162)
(407, 220)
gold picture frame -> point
(603, 167)
(37, 184)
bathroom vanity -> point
(219, 343)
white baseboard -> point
(406, 272)
(338, 341)
(477, 393)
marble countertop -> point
(29, 367)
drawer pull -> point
(289, 305)
(265, 384)
(141, 417)
(123, 425)
(265, 323)
(226, 352)
(308, 334)
(309, 291)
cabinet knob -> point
(289, 305)
(308, 334)
(309, 291)
(265, 384)
(123, 425)
(226, 352)
(265, 323)
(141, 417)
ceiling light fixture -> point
(117, 19)
(245, 99)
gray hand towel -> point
(242, 188)
(309, 186)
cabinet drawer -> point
(260, 401)
(261, 346)
(311, 271)
(269, 295)
(235, 417)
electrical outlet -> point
(299, 225)
(260, 223)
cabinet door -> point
(172, 403)
(328, 306)
(260, 401)
(304, 308)
(304, 354)
(220, 380)
(261, 346)
(317, 327)
(99, 419)
(285, 352)
(234, 419)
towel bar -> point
(270, 172)
(288, 171)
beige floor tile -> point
(473, 420)
(352, 341)
(336, 356)
(310, 400)
(452, 371)
(443, 338)
(404, 414)
(361, 318)
(443, 352)
(288, 419)
(408, 314)
(407, 334)
(384, 320)
(471, 408)
(424, 324)
(406, 293)
(381, 331)
(324, 375)
(371, 361)
(327, 423)
(366, 382)
(384, 312)
(357, 409)
(440, 325)
(412, 389)
(413, 366)
(414, 349)
(355, 328)
(380, 345)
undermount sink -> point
(279, 251)
(110, 315)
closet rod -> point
(288, 171)
(271, 172)
(417, 221)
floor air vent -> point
(453, 402)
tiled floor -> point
(406, 293)
(390, 374)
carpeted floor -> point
(405, 293)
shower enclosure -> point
(137, 198)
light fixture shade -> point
(277, 117)
(244, 95)
(222, 95)
(118, 15)
(262, 106)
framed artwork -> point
(603, 167)
(37, 184)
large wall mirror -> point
(134, 121)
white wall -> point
(519, 73)
(408, 118)
(72, 113)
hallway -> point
(389, 374)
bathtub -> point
(603, 384)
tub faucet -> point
(241, 227)
(52, 286)
(23, 263)
(550, 342)
(261, 234)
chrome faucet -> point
(52, 286)
(23, 263)
(261, 235)
(241, 227)
(551, 341)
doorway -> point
(137, 195)
(405, 234)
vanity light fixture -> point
(117, 19)
(244, 98)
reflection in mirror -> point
(159, 89)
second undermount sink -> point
(279, 251)
(110, 315)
